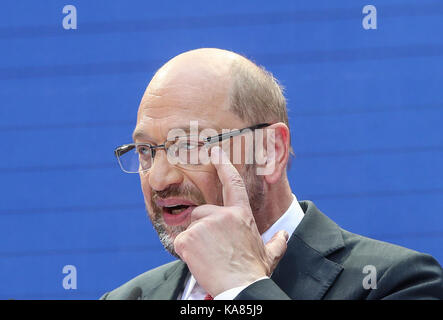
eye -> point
(188, 145)
(143, 150)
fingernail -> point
(286, 234)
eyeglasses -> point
(182, 151)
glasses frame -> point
(120, 150)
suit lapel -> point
(173, 284)
(304, 272)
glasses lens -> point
(135, 159)
(186, 151)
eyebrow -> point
(139, 133)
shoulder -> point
(371, 250)
(144, 282)
(395, 272)
(347, 248)
(399, 272)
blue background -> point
(365, 110)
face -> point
(171, 192)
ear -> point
(274, 148)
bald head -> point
(203, 74)
(206, 61)
(234, 83)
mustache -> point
(184, 191)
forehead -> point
(163, 111)
(185, 90)
(154, 130)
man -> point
(239, 234)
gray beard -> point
(166, 239)
(255, 189)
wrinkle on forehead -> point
(169, 123)
(157, 129)
(189, 99)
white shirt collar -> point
(288, 222)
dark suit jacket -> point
(322, 261)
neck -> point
(277, 199)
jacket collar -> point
(305, 263)
(172, 285)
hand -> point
(222, 246)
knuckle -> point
(244, 214)
(278, 252)
(236, 216)
(232, 213)
(236, 210)
(281, 252)
(199, 228)
(180, 243)
(236, 181)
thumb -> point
(276, 248)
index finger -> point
(234, 189)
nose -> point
(162, 174)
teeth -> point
(177, 211)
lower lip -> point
(177, 219)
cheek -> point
(210, 187)
(145, 188)
(205, 184)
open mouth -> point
(177, 215)
(175, 210)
